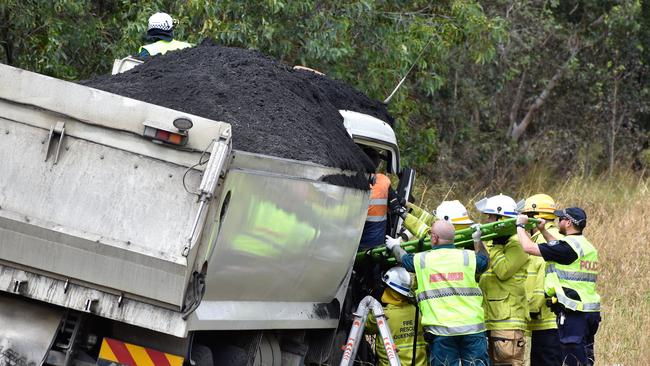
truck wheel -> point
(201, 356)
(268, 353)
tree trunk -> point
(516, 104)
(518, 129)
(612, 127)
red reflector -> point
(162, 135)
(175, 139)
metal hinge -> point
(56, 131)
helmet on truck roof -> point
(162, 21)
(541, 205)
(453, 212)
(399, 280)
(500, 205)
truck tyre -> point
(201, 356)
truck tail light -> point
(157, 134)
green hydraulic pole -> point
(462, 239)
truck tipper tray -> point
(99, 215)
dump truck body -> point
(97, 217)
(108, 210)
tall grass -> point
(618, 210)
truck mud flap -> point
(28, 330)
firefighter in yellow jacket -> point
(545, 343)
(418, 221)
(504, 288)
(400, 314)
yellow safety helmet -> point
(542, 205)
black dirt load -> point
(273, 109)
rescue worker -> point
(374, 229)
(418, 221)
(571, 273)
(160, 31)
(545, 342)
(448, 296)
(400, 314)
(504, 288)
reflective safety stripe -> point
(511, 320)
(393, 284)
(592, 306)
(498, 259)
(422, 260)
(465, 258)
(378, 201)
(576, 245)
(460, 219)
(450, 291)
(575, 276)
(376, 218)
(462, 329)
(568, 302)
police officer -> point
(448, 296)
(545, 342)
(400, 315)
(504, 288)
(161, 30)
(571, 273)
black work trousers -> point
(577, 331)
(545, 348)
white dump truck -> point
(134, 234)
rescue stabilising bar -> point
(462, 239)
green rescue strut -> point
(462, 239)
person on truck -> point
(374, 230)
(449, 296)
(160, 31)
(400, 314)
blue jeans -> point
(470, 349)
(577, 333)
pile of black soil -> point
(273, 109)
(343, 96)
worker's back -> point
(374, 229)
(401, 318)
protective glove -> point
(522, 219)
(476, 235)
(396, 207)
(392, 242)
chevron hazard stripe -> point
(114, 352)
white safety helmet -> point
(453, 212)
(500, 204)
(161, 21)
(399, 280)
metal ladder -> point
(352, 345)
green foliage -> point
(482, 66)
